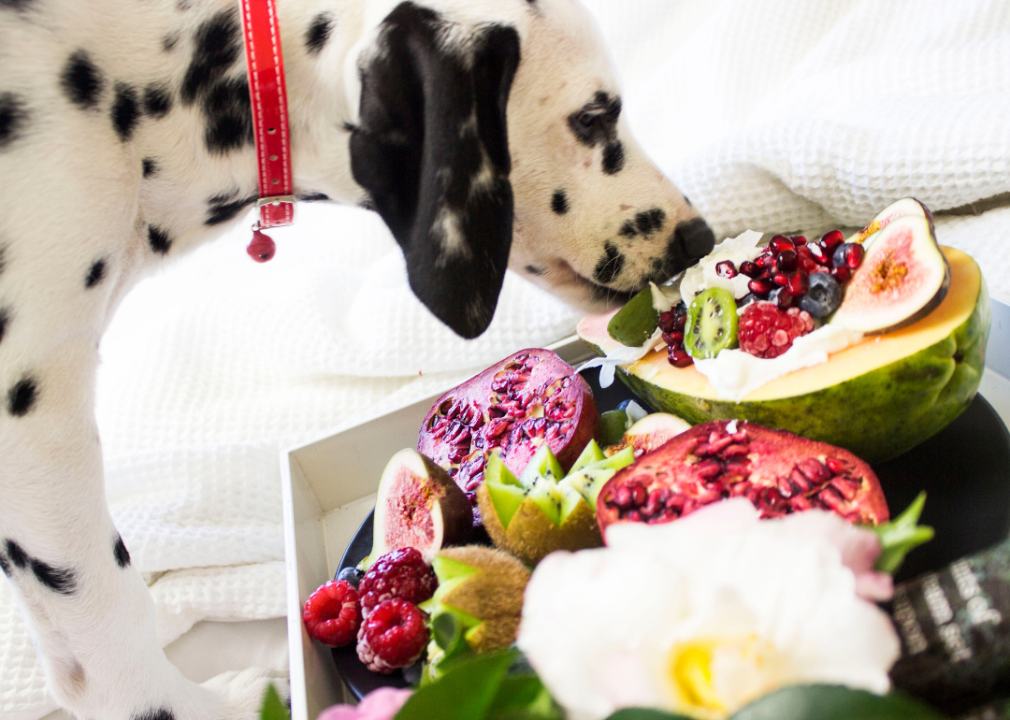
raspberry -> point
(767, 331)
(332, 614)
(399, 574)
(393, 636)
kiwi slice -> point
(711, 323)
(636, 321)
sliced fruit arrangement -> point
(543, 509)
(478, 603)
(418, 506)
(529, 399)
(780, 473)
(927, 306)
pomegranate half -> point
(779, 472)
(528, 399)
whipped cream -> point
(735, 374)
(703, 275)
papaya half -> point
(878, 398)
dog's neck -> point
(193, 186)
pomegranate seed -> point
(708, 469)
(633, 516)
(799, 481)
(832, 239)
(750, 268)
(831, 499)
(726, 269)
(780, 279)
(784, 299)
(765, 261)
(787, 260)
(799, 284)
(785, 489)
(798, 239)
(841, 273)
(854, 255)
(666, 322)
(801, 504)
(760, 287)
(845, 487)
(680, 358)
(639, 494)
(735, 450)
(814, 471)
(780, 243)
(838, 467)
(818, 254)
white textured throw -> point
(769, 114)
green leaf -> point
(645, 714)
(466, 691)
(901, 535)
(273, 707)
(523, 696)
(831, 702)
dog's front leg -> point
(88, 608)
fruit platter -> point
(820, 521)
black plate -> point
(965, 469)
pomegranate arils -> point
(780, 243)
(530, 398)
(841, 273)
(817, 253)
(781, 297)
(832, 239)
(779, 472)
(798, 284)
(674, 339)
(726, 269)
(666, 322)
(850, 255)
(786, 261)
(760, 286)
(750, 269)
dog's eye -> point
(586, 119)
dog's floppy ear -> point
(431, 149)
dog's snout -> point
(694, 237)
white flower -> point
(702, 615)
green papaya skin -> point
(878, 415)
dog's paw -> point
(241, 693)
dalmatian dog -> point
(486, 133)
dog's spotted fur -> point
(487, 134)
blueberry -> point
(823, 297)
(352, 575)
(747, 299)
(624, 405)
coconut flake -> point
(622, 356)
(703, 275)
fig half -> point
(903, 277)
(419, 506)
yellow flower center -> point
(691, 670)
(712, 678)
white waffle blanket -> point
(769, 114)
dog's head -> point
(490, 136)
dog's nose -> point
(694, 237)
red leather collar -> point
(271, 127)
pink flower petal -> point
(381, 704)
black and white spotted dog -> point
(486, 133)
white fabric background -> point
(769, 114)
